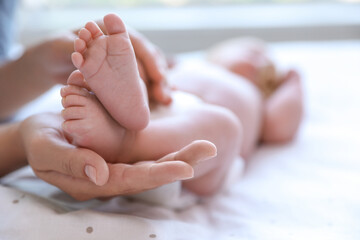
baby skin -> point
(105, 107)
(109, 66)
(87, 121)
(282, 93)
(105, 97)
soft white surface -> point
(308, 189)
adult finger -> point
(154, 62)
(124, 179)
(147, 175)
(142, 72)
(161, 92)
(194, 153)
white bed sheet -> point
(307, 189)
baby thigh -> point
(220, 87)
(200, 122)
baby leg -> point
(217, 86)
(88, 124)
(206, 122)
(109, 66)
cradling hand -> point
(84, 175)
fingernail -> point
(90, 171)
(63, 101)
(186, 176)
(208, 157)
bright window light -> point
(188, 25)
(161, 3)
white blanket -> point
(307, 189)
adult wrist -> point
(12, 148)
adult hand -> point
(49, 62)
(39, 68)
(52, 59)
(84, 174)
(153, 67)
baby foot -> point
(109, 66)
(87, 124)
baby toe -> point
(76, 78)
(73, 113)
(114, 24)
(79, 45)
(74, 90)
(85, 35)
(78, 130)
(73, 101)
(77, 59)
(94, 29)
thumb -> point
(86, 164)
(56, 154)
(193, 153)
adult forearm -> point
(20, 82)
(12, 154)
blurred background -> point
(187, 25)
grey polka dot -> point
(89, 230)
(152, 235)
(15, 201)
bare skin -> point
(238, 108)
(83, 114)
(275, 119)
(88, 125)
(162, 136)
(109, 65)
(49, 62)
(11, 151)
(27, 76)
(220, 87)
(283, 110)
(36, 134)
(282, 93)
(39, 139)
